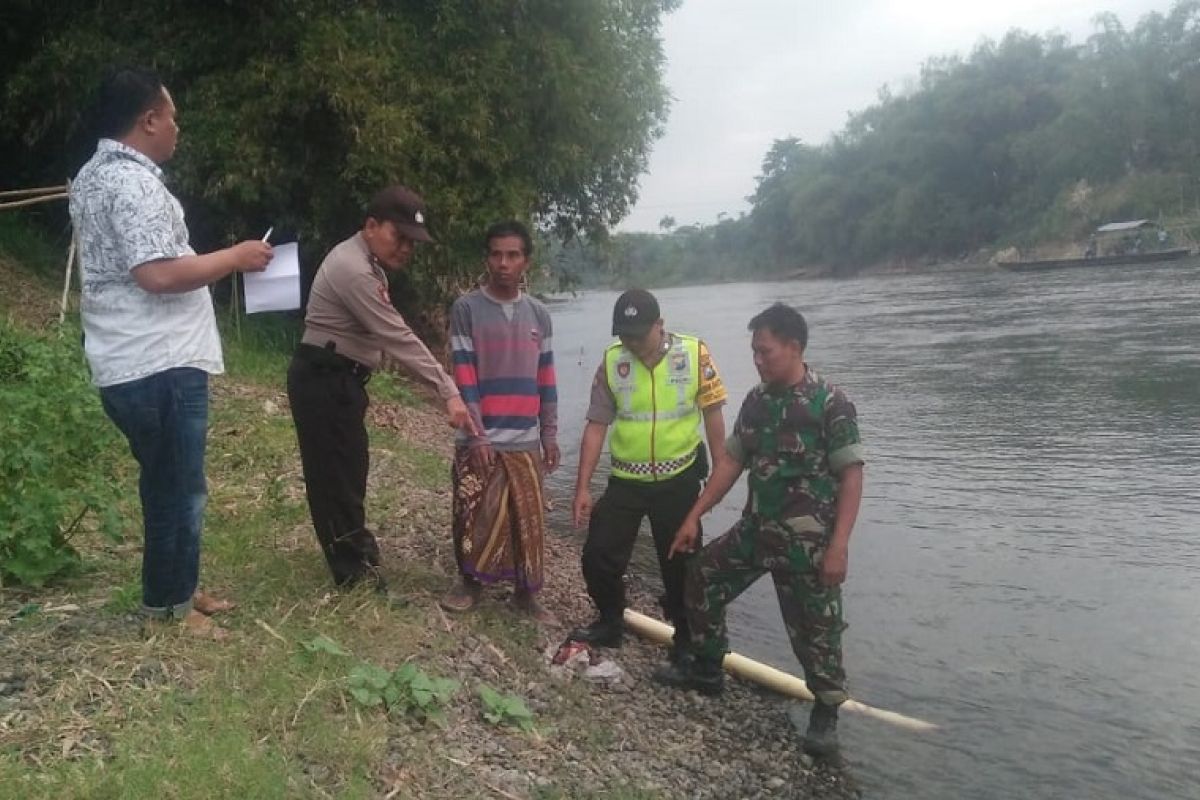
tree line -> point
(1028, 140)
(293, 112)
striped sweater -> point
(504, 369)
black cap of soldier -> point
(635, 313)
(404, 208)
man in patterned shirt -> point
(149, 331)
(797, 435)
(654, 388)
(504, 367)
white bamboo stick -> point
(233, 306)
(62, 310)
(771, 678)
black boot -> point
(681, 643)
(685, 671)
(603, 632)
(821, 739)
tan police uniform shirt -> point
(350, 307)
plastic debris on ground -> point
(578, 658)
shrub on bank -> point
(55, 443)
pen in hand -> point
(267, 235)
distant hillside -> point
(1027, 140)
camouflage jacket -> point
(794, 442)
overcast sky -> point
(744, 73)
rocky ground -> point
(90, 696)
(675, 744)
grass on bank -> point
(95, 703)
(114, 709)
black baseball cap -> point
(402, 207)
(635, 313)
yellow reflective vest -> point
(656, 432)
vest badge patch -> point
(678, 367)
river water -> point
(1026, 568)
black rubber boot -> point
(688, 672)
(821, 738)
(603, 632)
(681, 643)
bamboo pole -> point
(62, 310)
(233, 306)
(33, 201)
(771, 678)
(79, 270)
(29, 192)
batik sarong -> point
(498, 518)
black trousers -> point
(328, 405)
(613, 528)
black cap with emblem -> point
(402, 207)
(635, 313)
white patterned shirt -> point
(125, 217)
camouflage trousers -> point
(812, 612)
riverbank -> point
(95, 703)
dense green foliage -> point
(1029, 139)
(52, 465)
(294, 111)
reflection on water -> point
(1026, 568)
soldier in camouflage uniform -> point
(797, 435)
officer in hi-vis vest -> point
(654, 388)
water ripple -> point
(1026, 569)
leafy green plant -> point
(505, 709)
(369, 685)
(406, 690)
(52, 464)
(323, 644)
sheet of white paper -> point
(277, 288)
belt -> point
(326, 358)
(655, 467)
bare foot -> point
(200, 626)
(463, 597)
(528, 604)
(208, 605)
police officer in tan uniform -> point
(349, 328)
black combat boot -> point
(604, 631)
(686, 671)
(681, 643)
(821, 739)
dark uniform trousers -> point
(329, 400)
(614, 526)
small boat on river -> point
(1173, 254)
(1112, 244)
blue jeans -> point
(165, 418)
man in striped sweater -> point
(504, 368)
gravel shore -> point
(647, 737)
